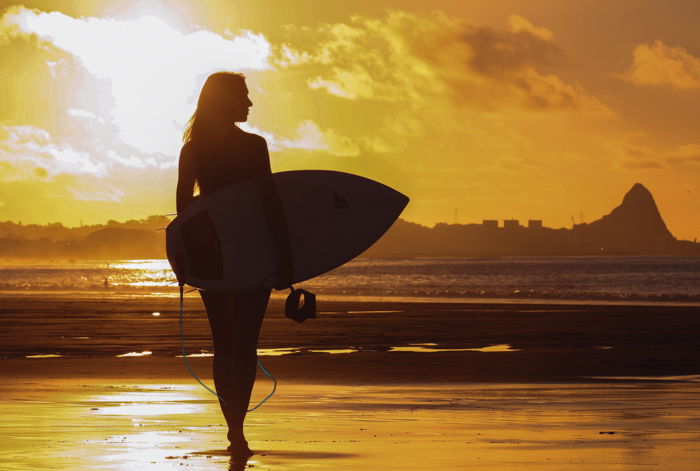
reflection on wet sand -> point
(145, 401)
(74, 424)
(144, 353)
(678, 378)
(413, 347)
(430, 348)
(202, 354)
(268, 352)
(333, 350)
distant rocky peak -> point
(639, 195)
(637, 221)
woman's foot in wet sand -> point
(240, 450)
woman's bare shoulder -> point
(253, 138)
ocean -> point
(585, 279)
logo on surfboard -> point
(341, 201)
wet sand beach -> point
(117, 425)
(413, 386)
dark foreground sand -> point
(548, 342)
(542, 406)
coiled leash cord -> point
(189, 368)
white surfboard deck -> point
(223, 242)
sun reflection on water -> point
(152, 264)
(148, 442)
(149, 402)
(146, 450)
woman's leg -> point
(235, 320)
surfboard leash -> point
(189, 368)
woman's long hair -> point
(209, 120)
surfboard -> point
(223, 242)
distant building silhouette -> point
(489, 224)
(511, 223)
(534, 223)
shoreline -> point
(129, 293)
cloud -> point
(309, 136)
(660, 64)
(103, 193)
(551, 92)
(29, 153)
(500, 54)
(49, 176)
(638, 155)
(414, 59)
(153, 70)
(80, 113)
(32, 153)
(346, 84)
(518, 24)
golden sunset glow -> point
(474, 110)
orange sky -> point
(503, 109)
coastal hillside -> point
(133, 239)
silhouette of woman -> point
(217, 153)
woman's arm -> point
(185, 179)
(277, 219)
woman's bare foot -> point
(240, 450)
